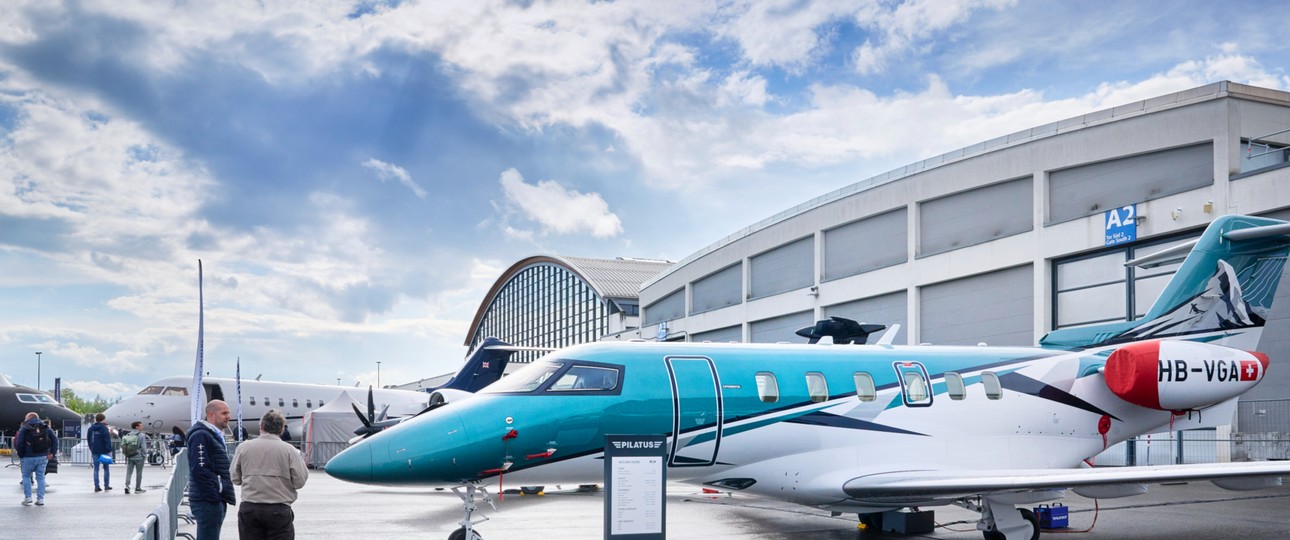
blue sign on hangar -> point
(1121, 225)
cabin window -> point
(954, 385)
(295, 403)
(282, 402)
(267, 403)
(990, 381)
(767, 387)
(174, 391)
(253, 400)
(915, 387)
(586, 378)
(151, 391)
(321, 403)
(309, 403)
(817, 387)
(864, 387)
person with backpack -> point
(133, 446)
(100, 440)
(35, 444)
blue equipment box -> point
(1056, 516)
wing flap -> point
(923, 485)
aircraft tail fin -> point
(484, 367)
(1224, 289)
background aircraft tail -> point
(483, 367)
(1223, 289)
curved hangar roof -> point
(610, 279)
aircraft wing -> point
(925, 485)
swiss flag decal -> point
(1249, 370)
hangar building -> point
(555, 301)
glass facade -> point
(544, 305)
(1096, 288)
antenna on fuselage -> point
(889, 336)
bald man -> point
(210, 488)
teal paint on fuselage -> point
(464, 442)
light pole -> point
(378, 373)
(37, 370)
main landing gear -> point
(1003, 521)
(467, 530)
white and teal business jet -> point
(872, 428)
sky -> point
(354, 176)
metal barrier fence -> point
(163, 522)
(1196, 446)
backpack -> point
(130, 445)
(38, 443)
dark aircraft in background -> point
(16, 401)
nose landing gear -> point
(467, 494)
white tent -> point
(328, 430)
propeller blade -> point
(371, 407)
(366, 423)
(384, 410)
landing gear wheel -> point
(460, 534)
(872, 522)
(1034, 522)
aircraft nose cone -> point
(354, 464)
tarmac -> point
(330, 508)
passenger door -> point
(696, 411)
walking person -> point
(35, 444)
(270, 472)
(100, 440)
(133, 446)
(209, 485)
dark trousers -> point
(265, 521)
(210, 518)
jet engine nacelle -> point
(1181, 375)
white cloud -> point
(560, 210)
(90, 389)
(385, 171)
(904, 26)
(796, 39)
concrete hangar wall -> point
(1001, 241)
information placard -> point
(635, 487)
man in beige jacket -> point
(269, 471)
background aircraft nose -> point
(354, 464)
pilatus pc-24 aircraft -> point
(871, 428)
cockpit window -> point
(525, 379)
(35, 398)
(586, 378)
(561, 376)
(151, 390)
(174, 391)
